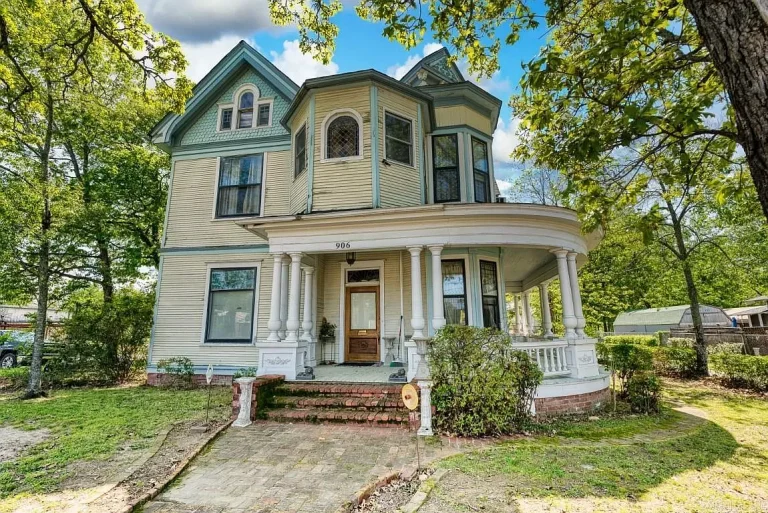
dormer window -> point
(264, 114)
(343, 135)
(245, 110)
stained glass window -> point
(343, 138)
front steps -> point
(349, 403)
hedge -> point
(625, 360)
(638, 340)
(739, 370)
(675, 361)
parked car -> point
(12, 344)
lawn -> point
(92, 424)
(712, 457)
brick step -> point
(379, 419)
(382, 403)
(347, 390)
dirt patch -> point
(459, 493)
(14, 441)
(392, 496)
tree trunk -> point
(737, 38)
(105, 269)
(698, 328)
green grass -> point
(88, 424)
(672, 462)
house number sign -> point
(343, 245)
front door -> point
(362, 324)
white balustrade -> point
(550, 356)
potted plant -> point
(327, 335)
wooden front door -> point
(362, 324)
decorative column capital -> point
(436, 249)
(572, 255)
(559, 252)
(278, 257)
(295, 255)
(414, 250)
(309, 271)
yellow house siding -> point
(461, 115)
(191, 208)
(398, 183)
(181, 310)
(298, 190)
(342, 184)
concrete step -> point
(381, 403)
(342, 416)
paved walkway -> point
(292, 468)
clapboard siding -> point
(461, 115)
(342, 185)
(298, 194)
(191, 210)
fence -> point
(755, 340)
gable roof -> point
(438, 64)
(215, 81)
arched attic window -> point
(342, 136)
(245, 110)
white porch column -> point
(527, 325)
(292, 324)
(438, 306)
(569, 318)
(417, 309)
(518, 324)
(275, 324)
(283, 297)
(306, 324)
(546, 315)
(578, 311)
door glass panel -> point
(363, 311)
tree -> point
(608, 51)
(539, 186)
(52, 53)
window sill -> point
(232, 130)
(341, 160)
(396, 163)
(236, 218)
(227, 344)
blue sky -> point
(208, 30)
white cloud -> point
(398, 71)
(300, 66)
(494, 84)
(505, 140)
(203, 56)
(197, 21)
(505, 187)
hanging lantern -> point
(351, 257)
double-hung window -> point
(240, 186)
(300, 151)
(482, 178)
(398, 139)
(245, 111)
(263, 114)
(445, 166)
(231, 300)
(489, 289)
(226, 119)
(454, 292)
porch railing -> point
(549, 355)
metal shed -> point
(652, 320)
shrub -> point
(104, 342)
(643, 391)
(178, 371)
(625, 360)
(15, 378)
(245, 372)
(675, 361)
(726, 347)
(481, 385)
(681, 342)
(740, 370)
(640, 340)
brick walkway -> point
(292, 468)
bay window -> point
(445, 167)
(398, 139)
(454, 292)
(480, 171)
(489, 291)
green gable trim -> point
(375, 147)
(311, 154)
(228, 148)
(216, 250)
(449, 73)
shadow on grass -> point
(568, 467)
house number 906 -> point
(342, 245)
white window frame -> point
(499, 286)
(468, 283)
(265, 161)
(262, 101)
(365, 264)
(235, 104)
(207, 291)
(430, 171)
(400, 115)
(324, 135)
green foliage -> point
(245, 372)
(327, 330)
(625, 360)
(104, 342)
(644, 392)
(480, 385)
(729, 348)
(740, 370)
(178, 372)
(673, 360)
(640, 340)
(14, 378)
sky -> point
(207, 30)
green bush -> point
(178, 372)
(727, 347)
(681, 342)
(481, 386)
(15, 378)
(245, 372)
(625, 360)
(675, 361)
(640, 340)
(643, 391)
(103, 342)
(740, 370)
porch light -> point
(351, 257)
